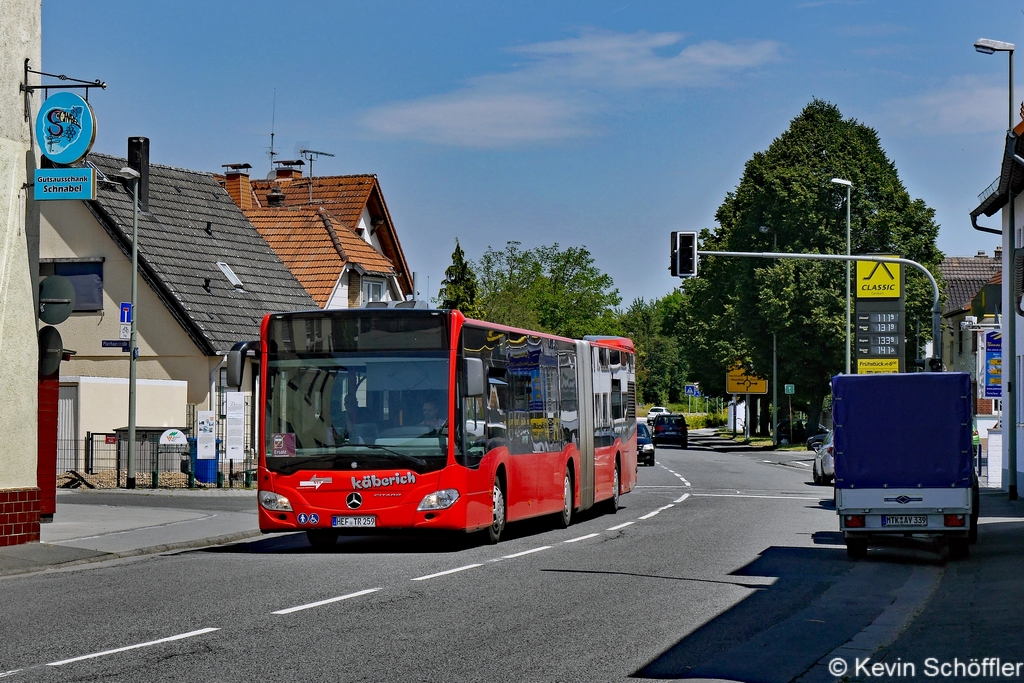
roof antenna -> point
(273, 121)
(309, 155)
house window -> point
(85, 275)
(373, 290)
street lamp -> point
(848, 184)
(775, 357)
(987, 46)
(134, 176)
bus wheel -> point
(613, 502)
(498, 519)
(565, 518)
(322, 539)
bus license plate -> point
(350, 521)
(904, 520)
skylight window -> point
(229, 274)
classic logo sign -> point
(878, 280)
(314, 482)
(65, 128)
(371, 481)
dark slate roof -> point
(177, 254)
(964, 277)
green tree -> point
(548, 289)
(657, 354)
(459, 286)
(734, 307)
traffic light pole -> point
(936, 363)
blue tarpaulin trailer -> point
(904, 458)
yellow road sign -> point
(878, 280)
(737, 381)
(877, 366)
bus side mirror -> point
(236, 362)
(474, 377)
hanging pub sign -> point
(65, 128)
(64, 183)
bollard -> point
(220, 478)
(192, 470)
(231, 474)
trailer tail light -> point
(855, 521)
(954, 520)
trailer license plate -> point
(351, 520)
(904, 520)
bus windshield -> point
(357, 390)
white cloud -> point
(557, 91)
(964, 105)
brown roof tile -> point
(965, 276)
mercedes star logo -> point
(354, 500)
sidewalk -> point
(95, 526)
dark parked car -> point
(670, 429)
(644, 445)
(800, 431)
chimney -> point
(236, 182)
(275, 198)
(138, 159)
(288, 170)
(998, 253)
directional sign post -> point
(790, 389)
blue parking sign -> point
(126, 311)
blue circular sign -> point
(314, 518)
(303, 518)
(65, 128)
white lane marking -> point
(128, 531)
(681, 498)
(526, 552)
(802, 464)
(5, 674)
(651, 514)
(326, 602)
(747, 495)
(180, 636)
(580, 538)
(657, 486)
(619, 526)
(447, 571)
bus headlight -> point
(439, 500)
(273, 501)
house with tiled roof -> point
(206, 279)
(334, 233)
(973, 286)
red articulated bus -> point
(401, 417)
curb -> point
(138, 552)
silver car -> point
(824, 468)
(655, 412)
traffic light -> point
(684, 254)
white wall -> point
(1012, 367)
(103, 403)
(20, 38)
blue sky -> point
(606, 124)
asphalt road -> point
(718, 565)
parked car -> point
(655, 412)
(824, 469)
(644, 445)
(670, 429)
(800, 431)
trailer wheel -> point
(856, 548)
(959, 548)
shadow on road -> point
(820, 600)
(399, 541)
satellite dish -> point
(56, 299)
(51, 351)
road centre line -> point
(651, 514)
(326, 602)
(681, 498)
(447, 571)
(748, 495)
(180, 636)
(525, 552)
(620, 526)
(580, 538)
